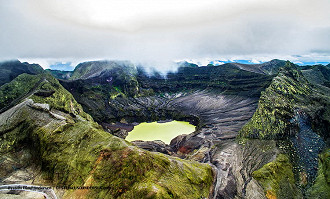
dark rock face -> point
(225, 79)
(118, 129)
(307, 145)
(156, 146)
(104, 87)
(44, 93)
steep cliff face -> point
(62, 146)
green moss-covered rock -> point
(14, 91)
(42, 88)
(277, 178)
(61, 99)
(288, 91)
(321, 186)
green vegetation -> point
(321, 186)
(277, 178)
(61, 99)
(289, 90)
(81, 154)
(17, 89)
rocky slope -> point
(49, 140)
(297, 112)
(279, 113)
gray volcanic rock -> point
(235, 164)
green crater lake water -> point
(160, 131)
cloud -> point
(156, 32)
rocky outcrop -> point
(287, 110)
(287, 92)
(157, 146)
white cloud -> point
(42, 62)
(255, 61)
(156, 32)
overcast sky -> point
(156, 32)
